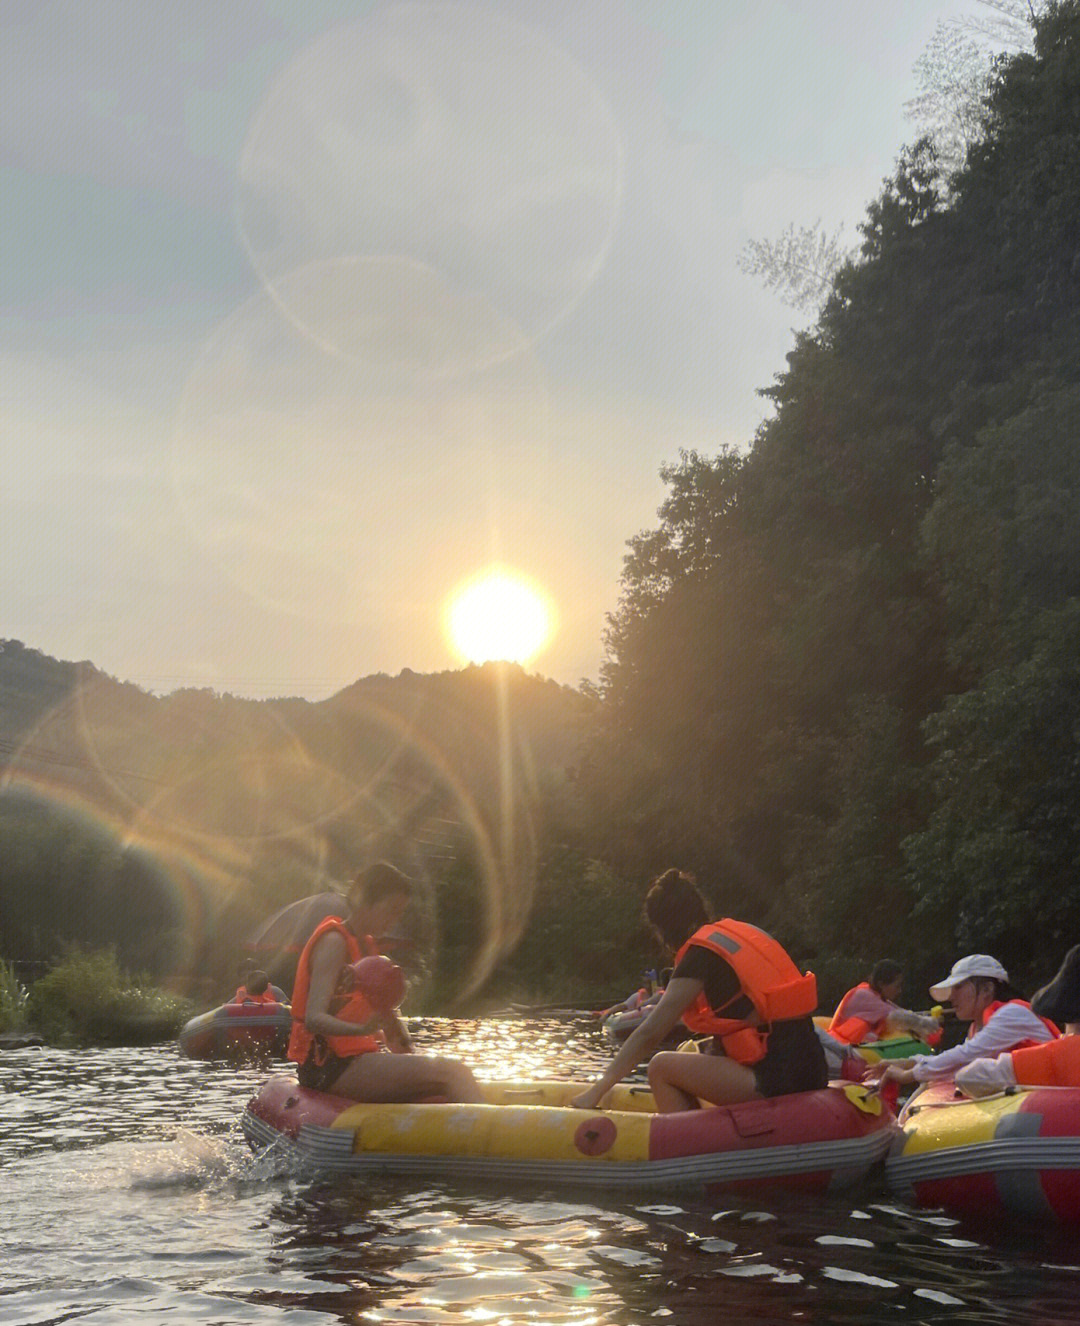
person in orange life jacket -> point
(255, 989)
(246, 972)
(870, 1010)
(1054, 1063)
(337, 1032)
(978, 989)
(736, 982)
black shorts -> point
(321, 1076)
(794, 1060)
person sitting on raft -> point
(644, 997)
(870, 1011)
(339, 1029)
(255, 989)
(1054, 1063)
(734, 982)
(246, 973)
(978, 989)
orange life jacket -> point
(347, 1004)
(243, 997)
(1051, 1064)
(853, 1030)
(991, 1009)
(777, 989)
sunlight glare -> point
(499, 616)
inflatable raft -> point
(238, 1031)
(1018, 1152)
(820, 1140)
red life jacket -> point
(853, 1030)
(243, 997)
(991, 1009)
(1051, 1064)
(777, 989)
(349, 1005)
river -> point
(128, 1197)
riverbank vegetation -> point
(86, 999)
(842, 683)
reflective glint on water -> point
(130, 1196)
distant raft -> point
(817, 1141)
(618, 1027)
(237, 1032)
(1018, 1152)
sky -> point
(311, 312)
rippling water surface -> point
(127, 1195)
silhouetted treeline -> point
(172, 827)
(844, 677)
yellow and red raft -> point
(820, 1140)
(1017, 1152)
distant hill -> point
(232, 807)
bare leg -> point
(405, 1077)
(678, 1080)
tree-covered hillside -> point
(170, 826)
(843, 681)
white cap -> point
(975, 964)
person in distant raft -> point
(735, 983)
(255, 989)
(870, 1011)
(344, 1007)
(247, 974)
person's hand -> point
(590, 1098)
(883, 1070)
(890, 1070)
(398, 1040)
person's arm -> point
(904, 1019)
(1006, 1029)
(868, 1006)
(327, 964)
(396, 1033)
(890, 1070)
(641, 1042)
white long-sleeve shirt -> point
(1009, 1027)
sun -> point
(498, 615)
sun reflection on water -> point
(128, 1191)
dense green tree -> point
(860, 700)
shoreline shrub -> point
(12, 999)
(86, 999)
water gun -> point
(379, 980)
